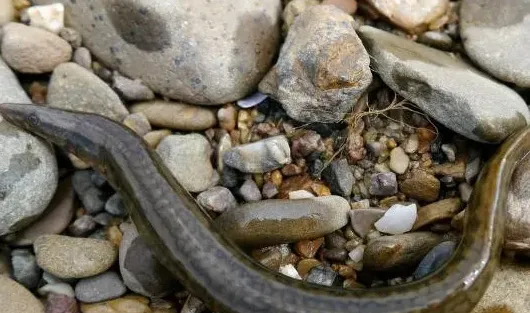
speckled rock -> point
(60, 303)
(131, 89)
(421, 185)
(250, 191)
(28, 168)
(339, 177)
(322, 69)
(25, 268)
(411, 15)
(141, 271)
(383, 184)
(33, 50)
(167, 49)
(188, 159)
(176, 115)
(83, 57)
(69, 257)
(293, 9)
(17, 299)
(92, 197)
(101, 287)
(7, 11)
(217, 199)
(398, 251)
(75, 88)
(274, 221)
(469, 103)
(260, 156)
(486, 31)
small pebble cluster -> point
(289, 128)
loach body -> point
(228, 281)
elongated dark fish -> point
(227, 280)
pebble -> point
(398, 219)
(17, 299)
(357, 254)
(399, 160)
(270, 257)
(362, 220)
(126, 304)
(153, 138)
(269, 190)
(450, 151)
(217, 199)
(82, 226)
(83, 57)
(28, 168)
(472, 170)
(53, 220)
(437, 257)
(250, 191)
(270, 222)
(141, 271)
(482, 24)
(308, 248)
(436, 39)
(421, 186)
(455, 170)
(56, 287)
(412, 143)
(101, 287)
(465, 190)
(227, 116)
(289, 270)
(388, 253)
(300, 194)
(70, 257)
(73, 87)
(383, 184)
(437, 211)
(192, 305)
(103, 219)
(323, 68)
(58, 303)
(322, 275)
(7, 11)
(25, 268)
(188, 159)
(33, 50)
(49, 17)
(348, 6)
(339, 177)
(131, 89)
(468, 103)
(261, 156)
(309, 142)
(176, 115)
(72, 36)
(252, 100)
(93, 198)
(413, 16)
(167, 49)
(293, 9)
(115, 205)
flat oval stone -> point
(275, 221)
(17, 299)
(197, 51)
(486, 31)
(176, 115)
(388, 253)
(469, 103)
(437, 211)
(70, 257)
(101, 287)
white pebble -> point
(252, 100)
(398, 219)
(399, 160)
(59, 288)
(412, 144)
(357, 254)
(289, 270)
(300, 194)
(49, 17)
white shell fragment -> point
(398, 219)
(289, 270)
(252, 100)
(49, 17)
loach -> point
(214, 269)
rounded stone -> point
(33, 50)
(176, 115)
(70, 257)
(188, 159)
(101, 287)
(200, 51)
(16, 299)
(73, 87)
(487, 31)
(28, 177)
(7, 11)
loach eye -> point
(33, 120)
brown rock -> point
(437, 211)
(305, 266)
(59, 303)
(291, 170)
(176, 115)
(458, 220)
(294, 183)
(348, 6)
(14, 298)
(456, 170)
(421, 186)
(320, 189)
(308, 248)
(362, 220)
(388, 253)
(270, 257)
(153, 138)
(227, 117)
